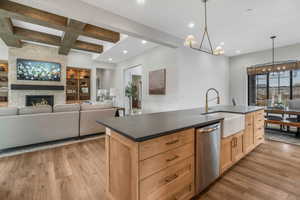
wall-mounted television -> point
(33, 70)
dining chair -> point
(293, 104)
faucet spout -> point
(206, 97)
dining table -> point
(284, 122)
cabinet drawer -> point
(259, 139)
(175, 182)
(248, 120)
(259, 123)
(259, 115)
(259, 132)
(166, 143)
(164, 160)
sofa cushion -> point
(35, 110)
(8, 111)
(96, 106)
(66, 107)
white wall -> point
(189, 75)
(198, 72)
(3, 50)
(106, 78)
(238, 68)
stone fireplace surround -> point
(35, 52)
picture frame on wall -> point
(157, 82)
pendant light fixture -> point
(190, 41)
(273, 50)
(273, 65)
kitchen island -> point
(152, 156)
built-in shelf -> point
(36, 87)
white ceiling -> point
(112, 53)
(133, 46)
(229, 20)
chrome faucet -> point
(206, 99)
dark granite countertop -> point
(148, 126)
(236, 109)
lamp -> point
(101, 93)
(113, 94)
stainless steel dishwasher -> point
(207, 155)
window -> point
(273, 87)
(261, 90)
(279, 87)
(296, 84)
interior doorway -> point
(133, 87)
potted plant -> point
(131, 93)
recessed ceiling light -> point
(144, 41)
(125, 51)
(222, 43)
(141, 2)
(237, 51)
(110, 59)
(191, 25)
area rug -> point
(279, 136)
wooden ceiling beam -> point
(70, 37)
(35, 36)
(6, 32)
(36, 16)
(85, 46)
(101, 33)
(32, 15)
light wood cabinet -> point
(226, 154)
(259, 129)
(237, 146)
(78, 84)
(161, 168)
(231, 150)
(161, 161)
(248, 137)
(162, 144)
(164, 168)
(170, 179)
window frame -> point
(268, 86)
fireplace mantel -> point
(36, 87)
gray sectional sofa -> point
(32, 125)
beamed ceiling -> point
(72, 29)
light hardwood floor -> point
(77, 171)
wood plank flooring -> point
(270, 172)
(77, 172)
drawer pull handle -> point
(172, 142)
(249, 124)
(171, 159)
(171, 178)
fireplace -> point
(36, 100)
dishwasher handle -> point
(208, 130)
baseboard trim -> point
(47, 145)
